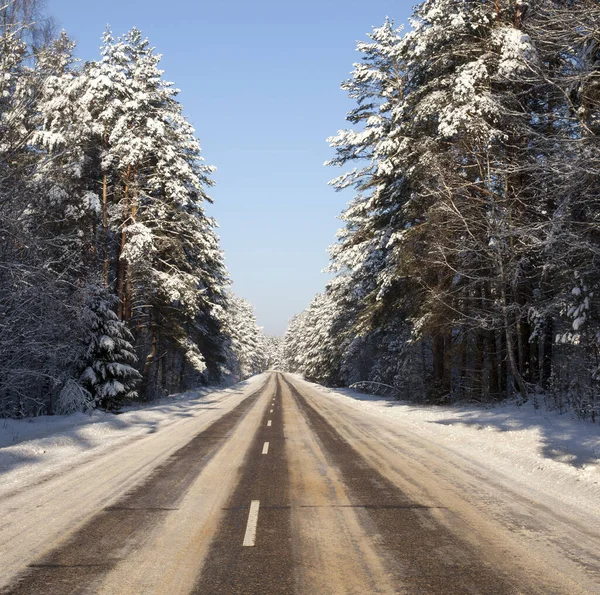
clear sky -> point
(259, 81)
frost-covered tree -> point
(446, 86)
(361, 257)
(273, 352)
(293, 341)
(170, 272)
(248, 351)
(36, 316)
(138, 181)
(311, 346)
(475, 141)
(101, 178)
(566, 311)
(109, 374)
(464, 65)
(66, 173)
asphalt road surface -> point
(285, 491)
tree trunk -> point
(163, 371)
(128, 284)
(546, 355)
(479, 370)
(493, 365)
(182, 374)
(438, 360)
(105, 226)
(464, 366)
(502, 357)
(122, 265)
(510, 347)
(518, 13)
(121, 275)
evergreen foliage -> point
(467, 267)
(109, 375)
(108, 262)
(248, 351)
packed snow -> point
(33, 448)
(544, 452)
(551, 453)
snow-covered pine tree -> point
(273, 347)
(311, 346)
(453, 115)
(568, 115)
(170, 257)
(109, 374)
(68, 168)
(489, 86)
(292, 343)
(381, 205)
(368, 271)
(248, 345)
(100, 177)
(470, 133)
(160, 251)
(35, 313)
(102, 104)
(455, 122)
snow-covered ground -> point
(512, 472)
(555, 452)
(33, 448)
(552, 454)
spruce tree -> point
(109, 374)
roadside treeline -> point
(112, 282)
(468, 265)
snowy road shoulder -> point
(33, 448)
(547, 453)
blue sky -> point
(260, 82)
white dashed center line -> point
(250, 536)
(271, 411)
(269, 423)
(265, 448)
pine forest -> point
(465, 268)
(112, 282)
(467, 265)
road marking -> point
(250, 536)
(271, 411)
(266, 448)
(269, 423)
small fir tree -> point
(109, 374)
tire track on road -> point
(79, 564)
(424, 556)
(256, 559)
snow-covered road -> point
(78, 465)
(348, 493)
(526, 482)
